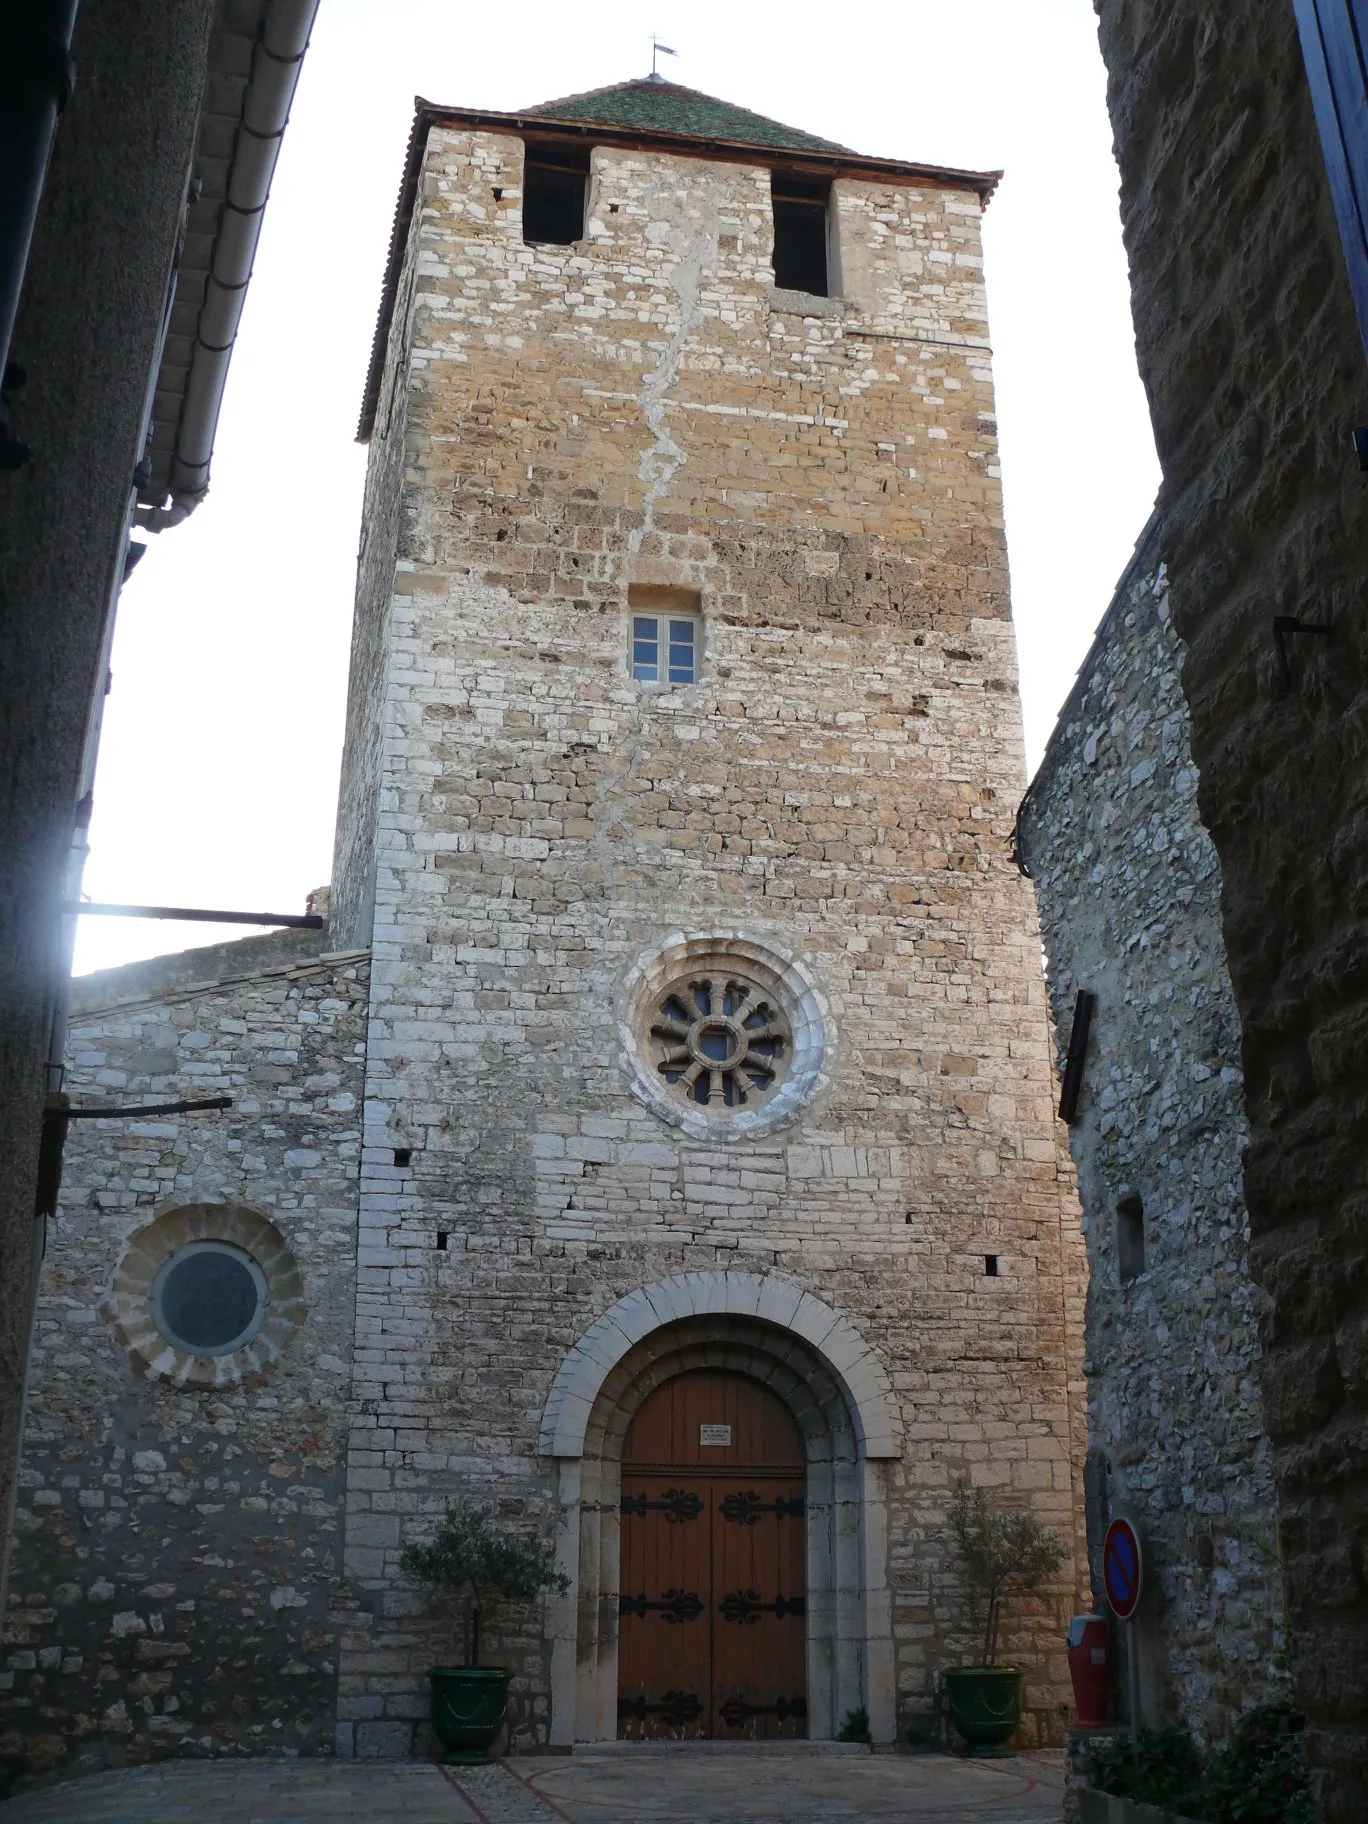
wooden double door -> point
(711, 1636)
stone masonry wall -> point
(643, 408)
(1128, 886)
(1255, 371)
(177, 1575)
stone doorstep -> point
(798, 1746)
(1096, 1807)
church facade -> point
(698, 1124)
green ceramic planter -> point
(468, 1705)
(985, 1706)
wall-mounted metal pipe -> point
(276, 59)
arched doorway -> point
(711, 1638)
(832, 1384)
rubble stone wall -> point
(642, 408)
(1255, 371)
(1128, 886)
(177, 1577)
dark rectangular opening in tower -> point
(555, 182)
(1130, 1237)
(802, 209)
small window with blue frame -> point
(665, 646)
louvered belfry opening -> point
(712, 1636)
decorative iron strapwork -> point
(676, 1707)
(678, 1504)
(737, 1711)
(746, 1606)
(748, 1507)
(674, 1605)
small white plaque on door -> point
(714, 1434)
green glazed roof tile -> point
(656, 106)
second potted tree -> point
(1000, 1547)
(470, 1563)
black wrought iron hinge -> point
(677, 1504)
(674, 1605)
(746, 1606)
(748, 1507)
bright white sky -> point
(223, 735)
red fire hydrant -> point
(1088, 1668)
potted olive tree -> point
(470, 1564)
(1001, 1547)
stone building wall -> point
(1255, 371)
(837, 791)
(1128, 886)
(177, 1577)
(87, 337)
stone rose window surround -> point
(142, 1303)
(724, 1035)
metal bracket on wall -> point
(294, 921)
(58, 1115)
(1283, 624)
(1016, 851)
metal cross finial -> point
(657, 50)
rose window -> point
(720, 1041)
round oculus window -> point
(719, 1040)
(723, 1035)
(209, 1298)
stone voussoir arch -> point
(767, 1299)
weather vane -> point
(657, 50)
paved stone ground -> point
(643, 1786)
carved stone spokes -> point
(737, 1711)
(747, 1607)
(673, 1606)
(719, 1041)
(746, 1508)
(677, 1505)
(676, 1707)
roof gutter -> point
(276, 59)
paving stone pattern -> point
(589, 1789)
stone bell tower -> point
(712, 1213)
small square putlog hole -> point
(403, 1155)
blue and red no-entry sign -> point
(1122, 1568)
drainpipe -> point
(276, 59)
(34, 87)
